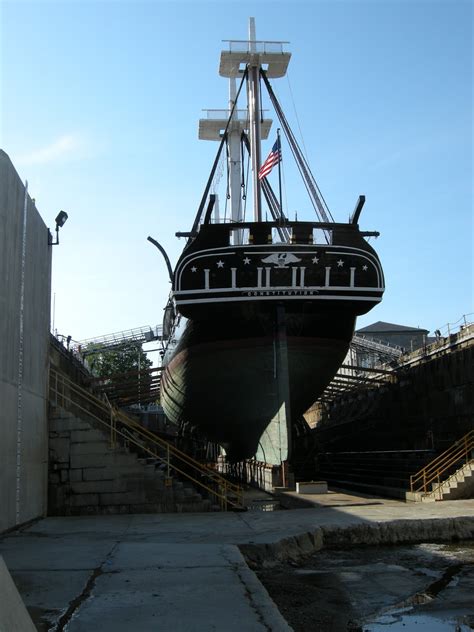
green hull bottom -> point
(243, 394)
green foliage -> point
(123, 372)
(108, 362)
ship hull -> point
(268, 325)
(243, 382)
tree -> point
(124, 369)
(118, 360)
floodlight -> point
(61, 219)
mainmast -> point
(254, 117)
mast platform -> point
(268, 54)
(212, 127)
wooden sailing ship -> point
(261, 312)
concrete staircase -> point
(458, 485)
(87, 476)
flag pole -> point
(279, 171)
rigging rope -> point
(246, 185)
(227, 192)
(218, 174)
(316, 197)
(261, 98)
(274, 207)
(296, 115)
(242, 168)
(226, 206)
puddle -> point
(378, 589)
(264, 504)
(409, 622)
(423, 610)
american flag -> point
(273, 159)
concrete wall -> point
(23, 386)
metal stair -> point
(122, 430)
(88, 476)
(458, 485)
(448, 477)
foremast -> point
(213, 126)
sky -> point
(99, 111)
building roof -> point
(381, 327)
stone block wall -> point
(430, 407)
(87, 476)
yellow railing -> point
(66, 394)
(434, 473)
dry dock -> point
(192, 572)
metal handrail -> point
(66, 394)
(461, 450)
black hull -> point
(238, 370)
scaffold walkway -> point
(366, 364)
(117, 339)
(368, 345)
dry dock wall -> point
(25, 297)
(430, 406)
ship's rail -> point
(255, 46)
(65, 394)
(222, 114)
(295, 225)
(287, 223)
(323, 233)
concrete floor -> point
(185, 572)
